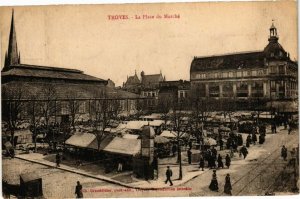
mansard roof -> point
(33, 71)
(229, 61)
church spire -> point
(12, 54)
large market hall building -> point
(268, 75)
(33, 82)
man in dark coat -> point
(244, 151)
(248, 141)
(240, 140)
(190, 144)
(227, 161)
(201, 163)
(261, 138)
(169, 174)
(220, 161)
(214, 152)
(254, 138)
(78, 190)
(284, 152)
(189, 154)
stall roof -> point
(81, 139)
(27, 177)
(130, 136)
(136, 125)
(124, 146)
(152, 116)
(161, 140)
(156, 123)
(94, 144)
(168, 134)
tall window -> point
(281, 69)
(273, 69)
(81, 108)
(242, 89)
(225, 74)
(239, 74)
(214, 90)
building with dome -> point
(265, 76)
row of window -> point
(231, 74)
(149, 93)
(277, 69)
(182, 94)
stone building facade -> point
(265, 75)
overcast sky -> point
(82, 37)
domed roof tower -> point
(274, 50)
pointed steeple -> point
(12, 56)
(6, 59)
(19, 58)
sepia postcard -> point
(149, 100)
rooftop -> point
(24, 70)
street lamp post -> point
(178, 148)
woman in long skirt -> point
(227, 186)
(214, 182)
(227, 160)
(220, 161)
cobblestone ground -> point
(249, 177)
(253, 176)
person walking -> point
(227, 161)
(214, 182)
(289, 129)
(240, 140)
(169, 174)
(221, 144)
(254, 138)
(284, 152)
(201, 163)
(220, 162)
(227, 186)
(214, 152)
(189, 154)
(244, 151)
(78, 190)
(190, 144)
(248, 141)
(57, 160)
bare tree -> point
(73, 105)
(164, 106)
(48, 103)
(177, 118)
(33, 114)
(12, 105)
(47, 106)
(201, 110)
(101, 120)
